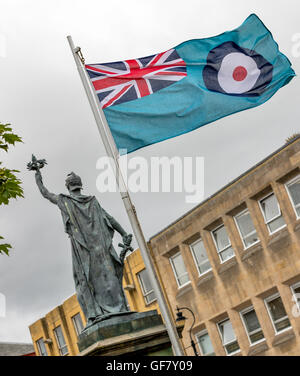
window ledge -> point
(48, 341)
(227, 265)
(258, 348)
(185, 289)
(251, 251)
(152, 301)
(283, 337)
(280, 240)
(205, 278)
(297, 226)
(236, 353)
(129, 287)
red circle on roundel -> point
(239, 73)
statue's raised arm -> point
(36, 165)
(44, 191)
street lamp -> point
(180, 317)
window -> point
(77, 322)
(179, 270)
(200, 256)
(296, 298)
(228, 337)
(222, 243)
(41, 347)
(277, 313)
(272, 213)
(246, 228)
(60, 339)
(146, 286)
(252, 325)
(293, 188)
(205, 345)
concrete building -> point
(56, 333)
(235, 261)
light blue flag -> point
(154, 98)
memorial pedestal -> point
(129, 334)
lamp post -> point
(180, 317)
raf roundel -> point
(234, 70)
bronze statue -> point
(97, 269)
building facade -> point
(234, 260)
(56, 334)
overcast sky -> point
(42, 97)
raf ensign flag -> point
(157, 97)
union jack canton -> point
(124, 81)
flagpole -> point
(112, 152)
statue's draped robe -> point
(97, 268)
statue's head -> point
(73, 182)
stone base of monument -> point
(133, 333)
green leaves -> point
(11, 138)
(10, 185)
(4, 247)
(7, 137)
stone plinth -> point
(130, 334)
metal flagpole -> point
(112, 152)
